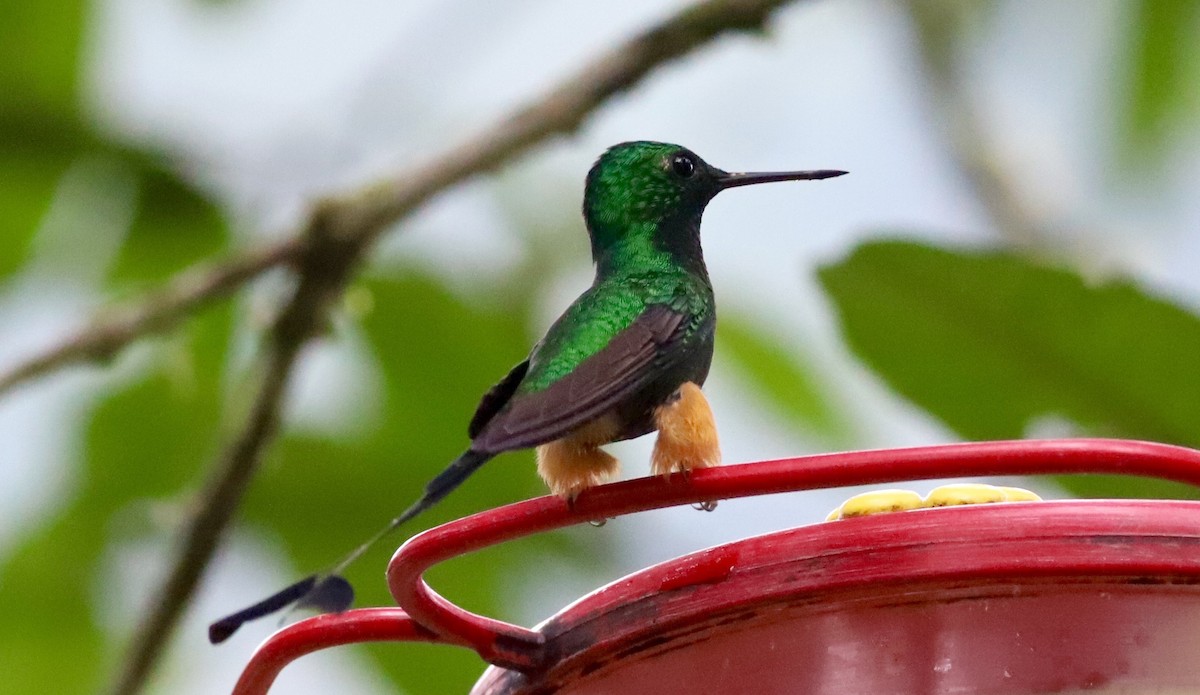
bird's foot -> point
(705, 506)
(687, 434)
(570, 501)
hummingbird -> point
(627, 358)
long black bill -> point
(728, 180)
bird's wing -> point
(623, 366)
(495, 398)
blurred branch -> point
(325, 268)
(336, 237)
(116, 327)
(939, 26)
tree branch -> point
(324, 270)
(114, 328)
(337, 235)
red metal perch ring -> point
(325, 631)
(520, 648)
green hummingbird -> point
(625, 359)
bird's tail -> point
(329, 592)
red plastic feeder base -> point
(1029, 597)
(1059, 597)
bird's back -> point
(608, 308)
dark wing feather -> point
(626, 364)
(496, 398)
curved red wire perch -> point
(325, 631)
(429, 617)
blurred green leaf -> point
(39, 55)
(174, 227)
(26, 189)
(988, 342)
(1162, 66)
(39, 128)
(781, 375)
(42, 132)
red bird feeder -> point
(1032, 597)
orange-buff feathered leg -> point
(576, 462)
(687, 434)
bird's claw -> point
(705, 506)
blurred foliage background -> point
(1013, 255)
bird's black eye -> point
(683, 165)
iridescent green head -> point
(636, 182)
(651, 195)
